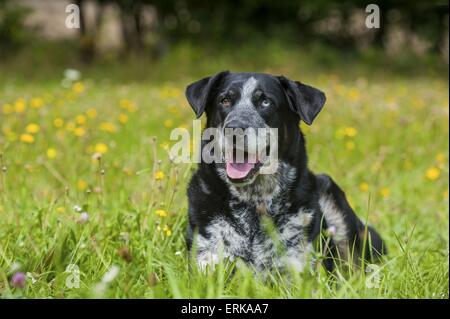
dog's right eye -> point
(225, 102)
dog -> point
(228, 202)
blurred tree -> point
(13, 34)
(234, 21)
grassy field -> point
(86, 183)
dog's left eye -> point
(265, 103)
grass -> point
(383, 136)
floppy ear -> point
(303, 99)
(198, 93)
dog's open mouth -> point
(244, 169)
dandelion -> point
(32, 128)
(20, 106)
(78, 87)
(167, 231)
(350, 131)
(108, 127)
(122, 118)
(60, 210)
(37, 102)
(82, 184)
(101, 148)
(128, 105)
(353, 94)
(385, 192)
(159, 175)
(80, 119)
(18, 280)
(58, 122)
(51, 153)
(164, 146)
(433, 173)
(27, 138)
(79, 131)
(124, 103)
(91, 113)
(364, 187)
(161, 213)
(168, 123)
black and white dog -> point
(227, 200)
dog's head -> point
(252, 101)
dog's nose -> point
(237, 125)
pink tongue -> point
(239, 170)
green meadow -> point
(91, 205)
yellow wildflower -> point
(353, 94)
(364, 187)
(82, 184)
(51, 153)
(350, 131)
(167, 231)
(37, 102)
(128, 105)
(164, 146)
(159, 175)
(32, 128)
(20, 106)
(91, 113)
(433, 173)
(101, 148)
(168, 123)
(161, 213)
(27, 138)
(78, 87)
(60, 209)
(123, 118)
(108, 127)
(58, 122)
(80, 119)
(385, 192)
(79, 131)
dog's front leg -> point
(208, 252)
(294, 239)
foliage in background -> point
(13, 34)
